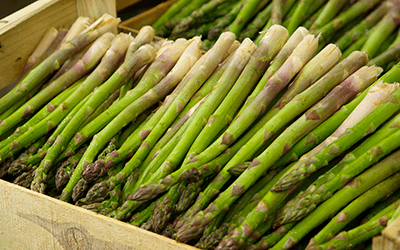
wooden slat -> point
(147, 17)
(30, 220)
(122, 4)
(96, 8)
(382, 243)
(21, 31)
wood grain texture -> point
(34, 221)
(122, 4)
(392, 232)
(382, 243)
(147, 17)
(21, 31)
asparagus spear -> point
(141, 217)
(101, 26)
(376, 96)
(278, 61)
(193, 82)
(304, 9)
(171, 12)
(157, 71)
(143, 56)
(271, 239)
(40, 49)
(277, 11)
(256, 24)
(189, 57)
(351, 211)
(243, 16)
(81, 68)
(382, 31)
(322, 190)
(345, 17)
(266, 51)
(66, 168)
(357, 31)
(329, 11)
(356, 187)
(129, 113)
(237, 127)
(344, 240)
(212, 58)
(265, 160)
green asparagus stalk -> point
(101, 73)
(357, 31)
(122, 119)
(362, 233)
(189, 195)
(329, 11)
(323, 189)
(139, 218)
(156, 72)
(277, 11)
(261, 58)
(223, 22)
(382, 31)
(351, 211)
(309, 22)
(197, 14)
(66, 168)
(278, 61)
(170, 13)
(243, 16)
(237, 127)
(377, 94)
(304, 9)
(345, 17)
(265, 160)
(239, 61)
(40, 49)
(188, 58)
(390, 55)
(271, 239)
(356, 187)
(358, 44)
(81, 68)
(256, 24)
(101, 26)
(212, 58)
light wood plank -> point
(147, 17)
(382, 243)
(96, 8)
(35, 221)
(122, 4)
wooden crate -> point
(147, 17)
(30, 220)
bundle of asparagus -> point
(353, 25)
(244, 146)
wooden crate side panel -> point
(122, 4)
(21, 31)
(147, 17)
(382, 243)
(34, 221)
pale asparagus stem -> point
(278, 61)
(269, 46)
(350, 87)
(193, 80)
(231, 49)
(375, 96)
(188, 59)
(379, 90)
(106, 68)
(80, 24)
(319, 65)
(69, 63)
(287, 181)
(153, 75)
(145, 36)
(43, 45)
(53, 62)
(223, 86)
(81, 67)
(300, 56)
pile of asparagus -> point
(244, 146)
(366, 25)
